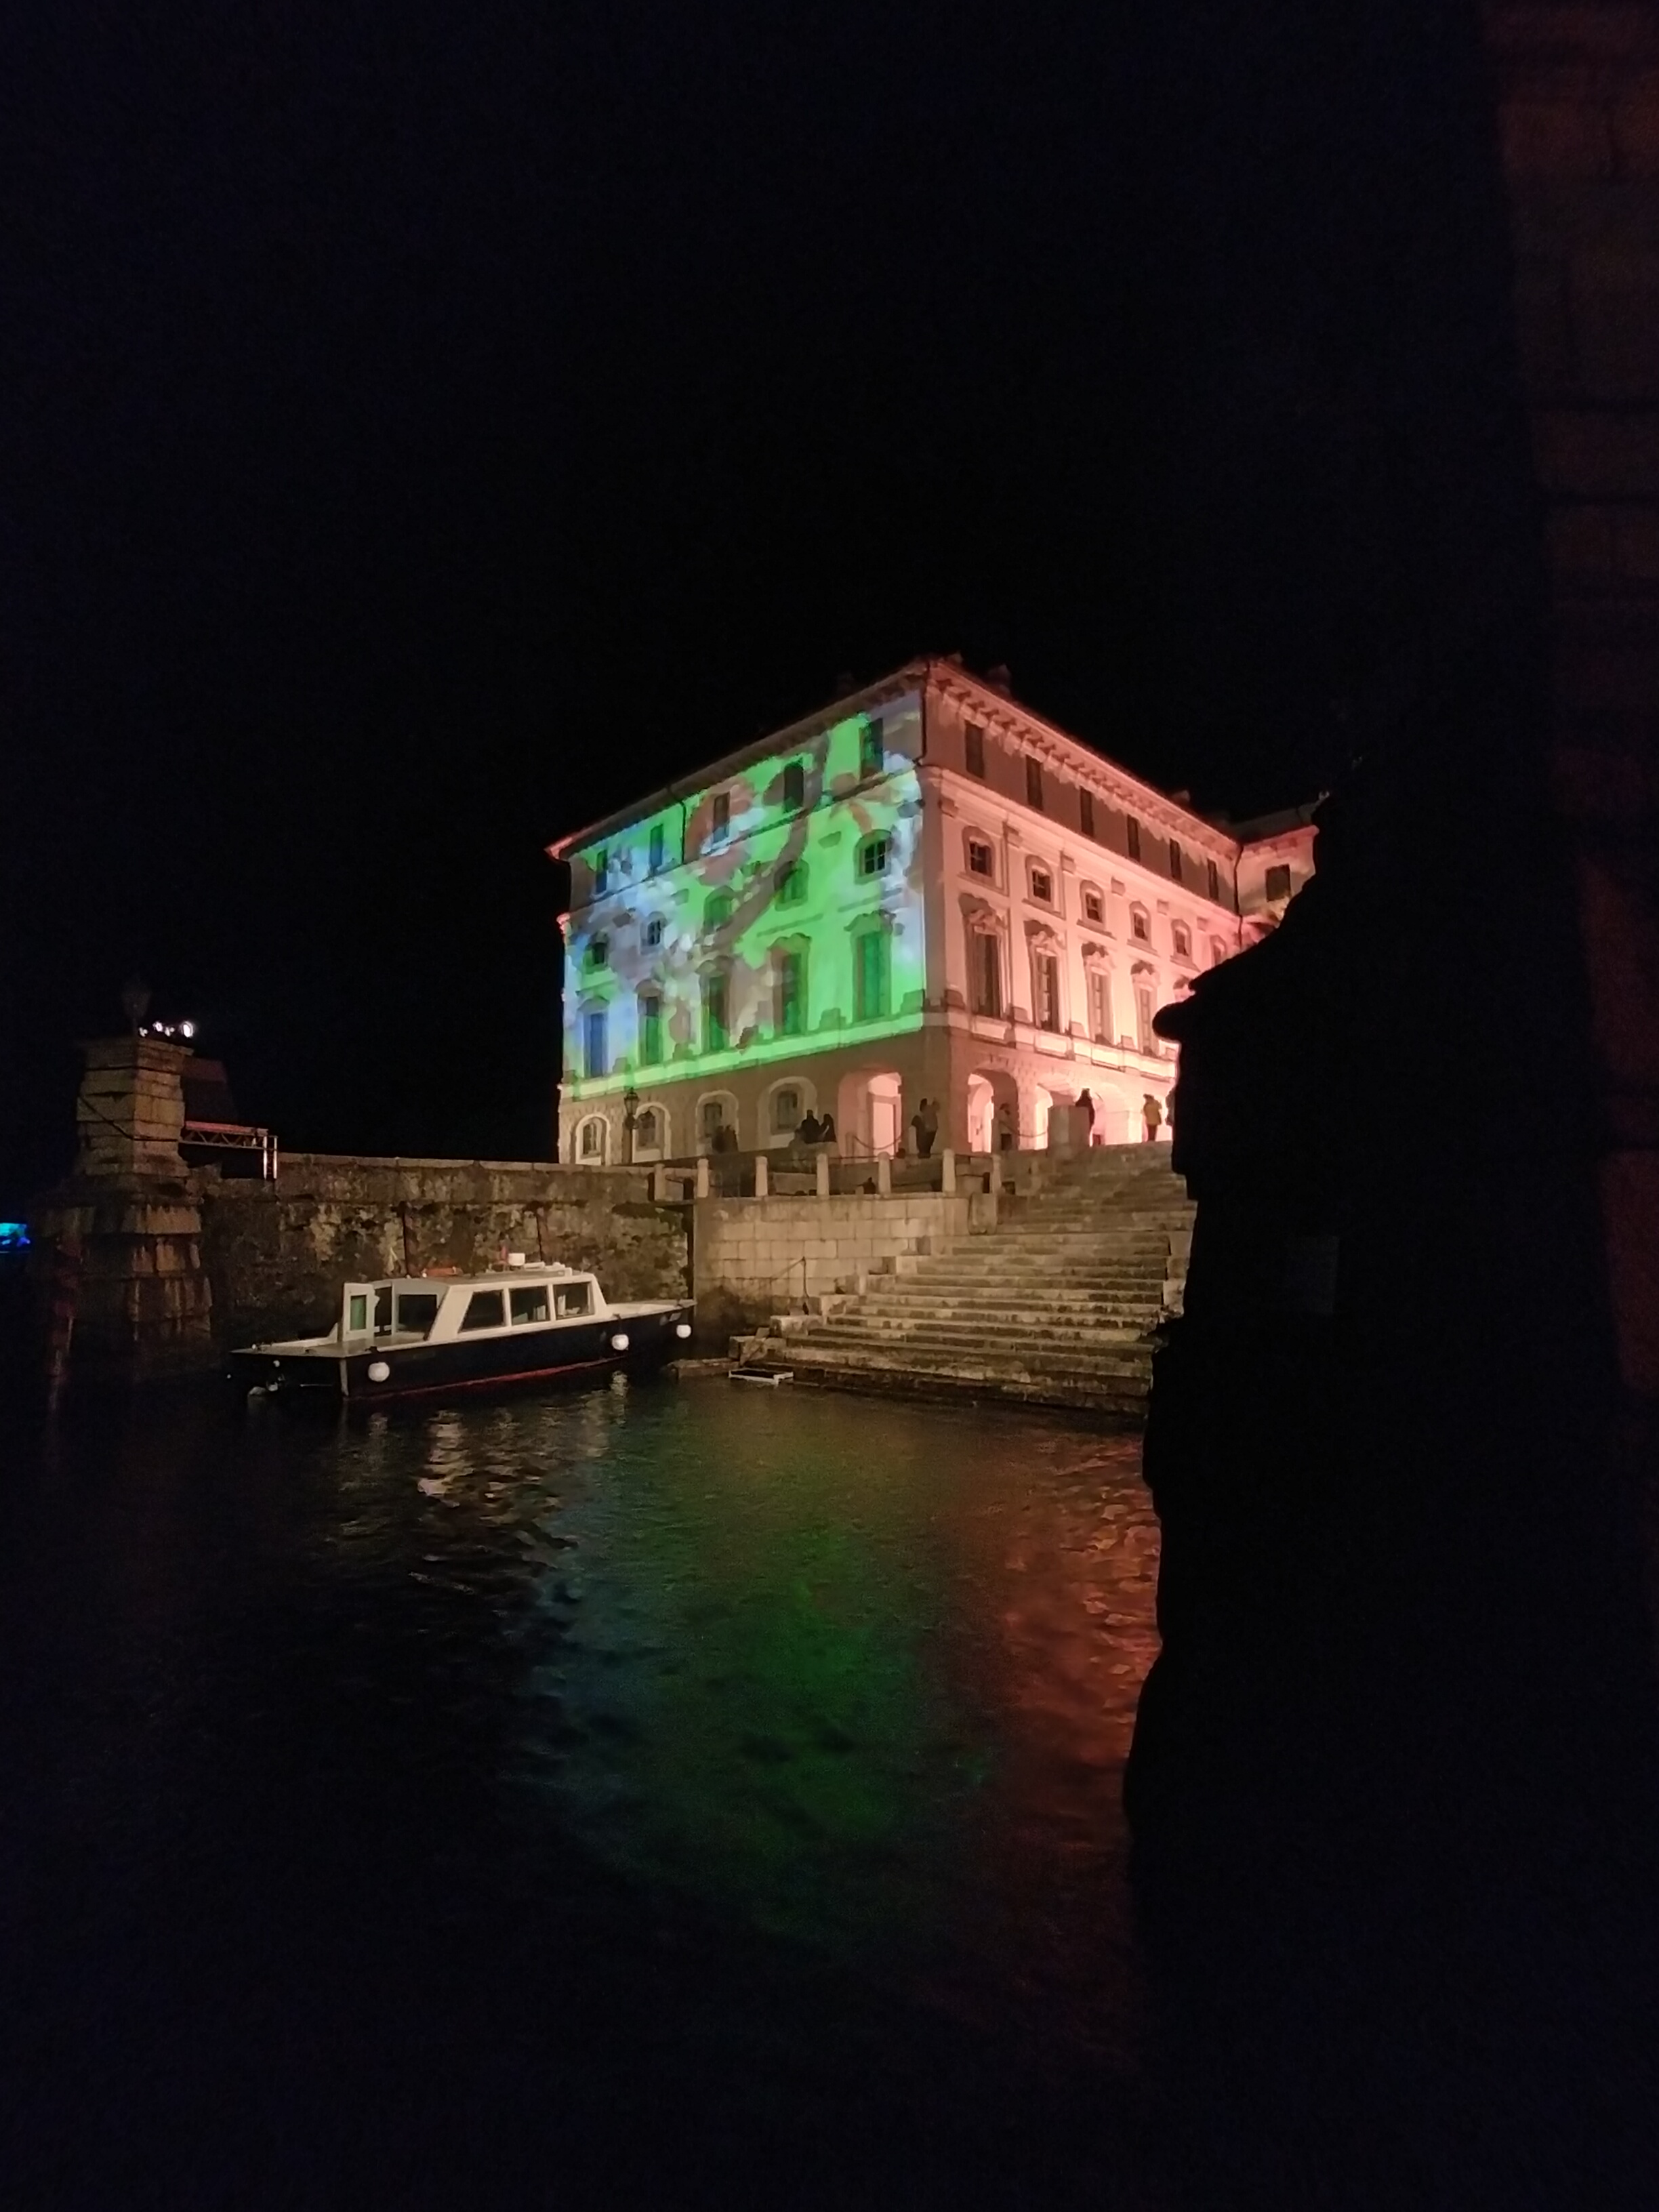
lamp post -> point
(630, 1115)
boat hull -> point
(575, 1351)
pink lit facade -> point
(1038, 904)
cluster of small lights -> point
(167, 1028)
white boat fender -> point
(379, 1371)
(682, 1329)
(619, 1341)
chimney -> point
(999, 680)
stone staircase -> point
(1056, 1305)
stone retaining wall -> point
(753, 1257)
(276, 1253)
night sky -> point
(431, 426)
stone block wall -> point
(1577, 87)
(755, 1257)
(278, 1252)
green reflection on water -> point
(747, 1701)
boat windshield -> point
(416, 1311)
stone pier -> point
(128, 1220)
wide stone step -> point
(991, 1299)
(1032, 1281)
(982, 1310)
(1126, 1388)
(1040, 1356)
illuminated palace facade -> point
(924, 891)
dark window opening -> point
(1132, 829)
(795, 785)
(657, 841)
(720, 816)
(987, 973)
(1043, 887)
(572, 1298)
(871, 747)
(528, 1304)
(1034, 783)
(1086, 812)
(484, 1309)
(973, 747)
(416, 1311)
(980, 860)
(1279, 883)
(1212, 880)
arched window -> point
(791, 884)
(1181, 938)
(980, 852)
(591, 1141)
(716, 911)
(650, 1133)
(1140, 925)
(717, 1123)
(1092, 905)
(650, 1028)
(786, 1109)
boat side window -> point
(483, 1310)
(383, 1310)
(529, 1305)
(416, 1311)
(357, 1319)
(573, 1298)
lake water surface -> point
(683, 1795)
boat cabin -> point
(406, 1309)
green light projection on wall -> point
(785, 916)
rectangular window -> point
(720, 816)
(595, 1060)
(1043, 887)
(570, 1299)
(416, 1311)
(1092, 909)
(1181, 938)
(599, 953)
(1100, 1006)
(1175, 860)
(529, 1304)
(871, 747)
(981, 861)
(1279, 883)
(794, 785)
(1145, 1037)
(1034, 783)
(1212, 880)
(657, 842)
(872, 857)
(792, 885)
(1132, 829)
(590, 1139)
(357, 1319)
(1086, 812)
(792, 994)
(870, 976)
(601, 873)
(484, 1309)
(650, 1029)
(974, 746)
(786, 1111)
(1045, 972)
(714, 1119)
(1140, 928)
(987, 972)
(715, 1035)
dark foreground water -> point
(693, 1795)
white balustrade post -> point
(824, 1175)
(947, 1173)
(703, 1175)
(883, 1176)
(761, 1181)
